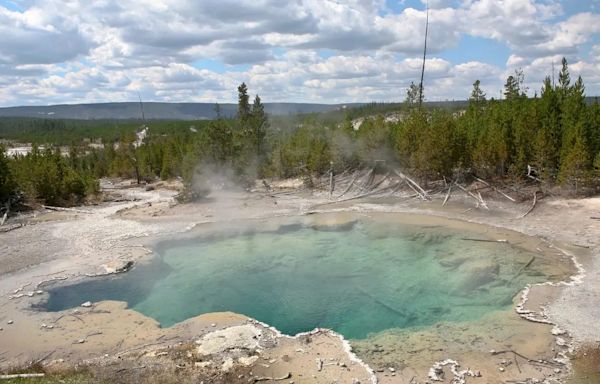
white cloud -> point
(297, 50)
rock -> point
(227, 364)
(9, 322)
(392, 369)
(237, 337)
(202, 364)
(80, 341)
(247, 361)
(557, 370)
(501, 369)
(87, 304)
(117, 266)
(213, 325)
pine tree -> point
(243, 104)
(259, 125)
(7, 185)
(477, 95)
(547, 140)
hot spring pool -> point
(366, 275)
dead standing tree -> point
(424, 55)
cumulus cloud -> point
(287, 50)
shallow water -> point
(362, 277)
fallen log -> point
(523, 268)
(11, 227)
(422, 192)
(532, 206)
(447, 196)
(469, 193)
(349, 185)
(21, 376)
(368, 179)
(496, 189)
(485, 240)
(257, 379)
(63, 209)
(482, 201)
(377, 184)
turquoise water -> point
(358, 278)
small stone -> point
(87, 304)
(9, 322)
(392, 369)
(1, 329)
(39, 292)
(43, 325)
(557, 370)
(477, 374)
(213, 325)
(343, 365)
(492, 351)
(80, 341)
(501, 369)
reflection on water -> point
(356, 279)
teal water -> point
(359, 278)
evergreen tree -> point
(547, 140)
(7, 185)
(243, 104)
(564, 80)
(259, 125)
(477, 95)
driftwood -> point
(485, 240)
(412, 183)
(378, 301)
(523, 268)
(496, 189)
(63, 209)
(257, 379)
(349, 185)
(377, 184)
(447, 196)
(529, 170)
(368, 179)
(21, 376)
(482, 201)
(478, 198)
(11, 227)
(532, 205)
(532, 361)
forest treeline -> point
(553, 137)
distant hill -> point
(157, 111)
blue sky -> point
(324, 51)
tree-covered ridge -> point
(553, 138)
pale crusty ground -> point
(61, 245)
